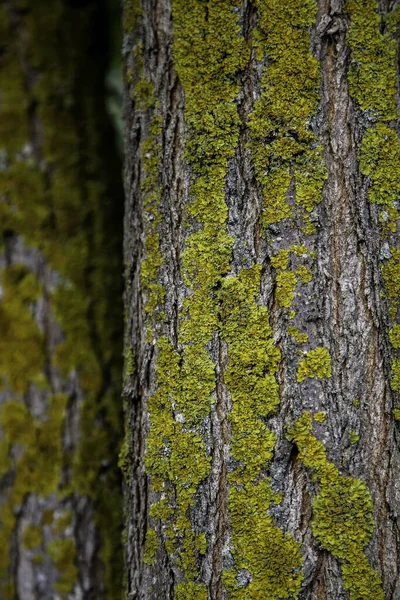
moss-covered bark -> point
(262, 264)
(60, 509)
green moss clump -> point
(316, 363)
(372, 73)
(272, 557)
(356, 402)
(283, 146)
(342, 514)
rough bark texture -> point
(61, 208)
(262, 460)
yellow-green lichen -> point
(301, 338)
(304, 273)
(372, 73)
(150, 187)
(32, 537)
(316, 363)
(63, 553)
(395, 381)
(283, 146)
(320, 417)
(281, 260)
(272, 558)
(373, 83)
(353, 437)
(286, 282)
(208, 54)
(342, 514)
(391, 276)
(394, 336)
(379, 156)
(151, 546)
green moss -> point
(32, 537)
(283, 146)
(372, 73)
(316, 363)
(356, 402)
(272, 557)
(396, 412)
(342, 514)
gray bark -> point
(342, 308)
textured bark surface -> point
(60, 339)
(335, 281)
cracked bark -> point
(342, 308)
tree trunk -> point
(60, 510)
(262, 285)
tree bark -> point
(61, 213)
(261, 456)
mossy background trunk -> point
(262, 261)
(60, 309)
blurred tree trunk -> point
(61, 216)
(262, 259)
